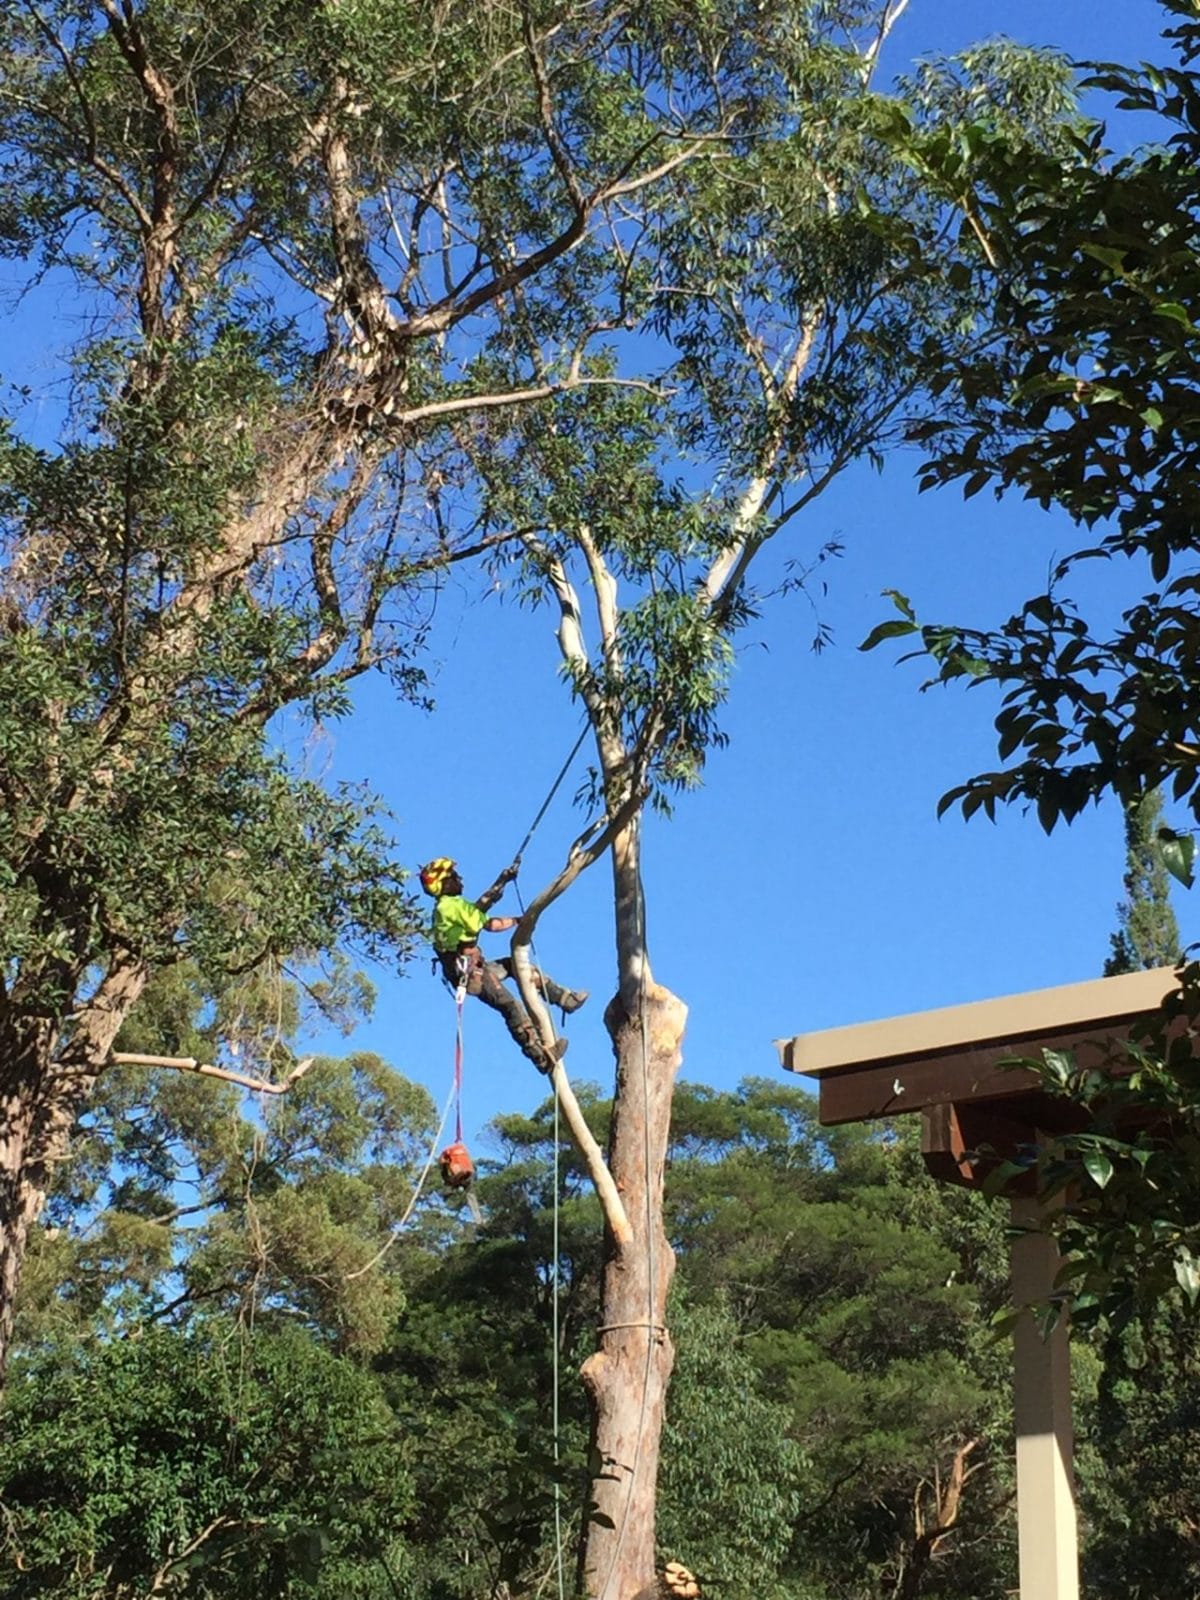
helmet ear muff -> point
(434, 874)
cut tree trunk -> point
(626, 1379)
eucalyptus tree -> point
(608, 294)
(776, 301)
(281, 240)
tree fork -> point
(626, 1378)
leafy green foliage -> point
(862, 1296)
(1082, 392)
(734, 1479)
(1131, 1234)
(210, 1460)
(1139, 1486)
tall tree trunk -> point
(39, 1100)
(626, 1379)
(24, 1051)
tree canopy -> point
(596, 297)
(1081, 391)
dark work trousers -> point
(486, 981)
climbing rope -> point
(458, 1170)
(555, 1379)
(460, 996)
(554, 788)
(399, 1227)
(654, 1329)
(554, 1334)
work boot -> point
(572, 999)
(553, 1055)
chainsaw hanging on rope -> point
(458, 1170)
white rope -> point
(399, 1227)
(554, 1330)
(554, 1272)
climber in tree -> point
(457, 924)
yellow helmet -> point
(434, 874)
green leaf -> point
(1106, 254)
(901, 602)
(1174, 311)
(1178, 853)
(1098, 1167)
(887, 630)
(1187, 1273)
(1059, 1066)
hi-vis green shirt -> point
(455, 919)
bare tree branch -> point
(94, 158)
(558, 150)
(203, 1069)
(892, 12)
(593, 1157)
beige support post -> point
(1046, 1523)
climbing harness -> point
(458, 1170)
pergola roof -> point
(954, 1056)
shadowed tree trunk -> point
(40, 1098)
(626, 1379)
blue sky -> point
(809, 883)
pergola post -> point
(956, 1067)
(1046, 1521)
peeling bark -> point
(40, 1099)
(626, 1379)
(24, 1050)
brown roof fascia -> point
(956, 1054)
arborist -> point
(457, 924)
